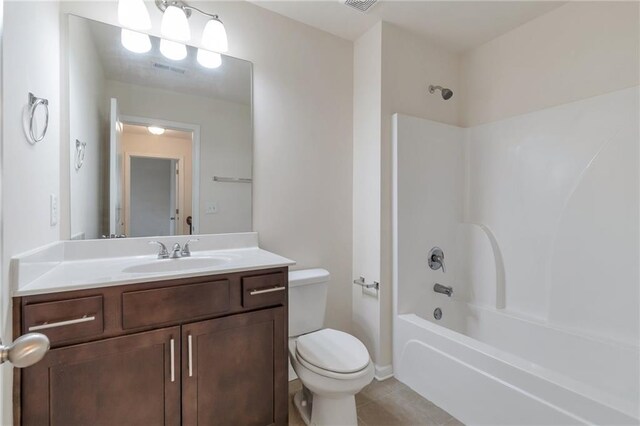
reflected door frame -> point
(195, 159)
(179, 228)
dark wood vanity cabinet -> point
(198, 351)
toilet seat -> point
(332, 353)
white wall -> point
(367, 89)
(303, 164)
(409, 65)
(226, 147)
(576, 51)
(392, 71)
(88, 124)
(30, 63)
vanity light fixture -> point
(214, 36)
(209, 59)
(133, 14)
(134, 41)
(173, 50)
(155, 130)
(175, 25)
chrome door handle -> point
(47, 325)
(25, 350)
(173, 360)
(190, 355)
(267, 290)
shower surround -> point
(537, 216)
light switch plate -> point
(53, 209)
(211, 208)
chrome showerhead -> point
(446, 93)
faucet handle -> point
(163, 253)
(436, 259)
(186, 251)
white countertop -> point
(79, 265)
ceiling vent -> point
(361, 5)
(169, 68)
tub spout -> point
(443, 289)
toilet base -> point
(323, 411)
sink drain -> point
(437, 314)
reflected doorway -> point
(157, 178)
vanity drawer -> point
(174, 304)
(264, 290)
(65, 320)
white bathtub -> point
(486, 366)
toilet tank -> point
(307, 300)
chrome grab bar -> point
(268, 290)
(362, 283)
(47, 325)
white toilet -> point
(332, 365)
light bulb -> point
(214, 36)
(173, 50)
(134, 14)
(175, 25)
(155, 130)
(135, 41)
(209, 59)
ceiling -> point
(454, 25)
(168, 133)
(231, 81)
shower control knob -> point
(436, 259)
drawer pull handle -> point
(267, 290)
(190, 344)
(173, 360)
(47, 325)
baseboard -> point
(383, 372)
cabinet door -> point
(126, 380)
(235, 370)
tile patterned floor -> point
(387, 403)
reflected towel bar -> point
(232, 180)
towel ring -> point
(81, 148)
(34, 102)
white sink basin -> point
(177, 265)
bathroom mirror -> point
(158, 146)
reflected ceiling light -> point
(155, 130)
(173, 50)
(209, 59)
(133, 14)
(214, 36)
(134, 41)
(174, 24)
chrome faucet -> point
(436, 259)
(176, 251)
(163, 253)
(443, 289)
(186, 251)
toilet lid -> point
(333, 350)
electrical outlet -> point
(53, 209)
(211, 208)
